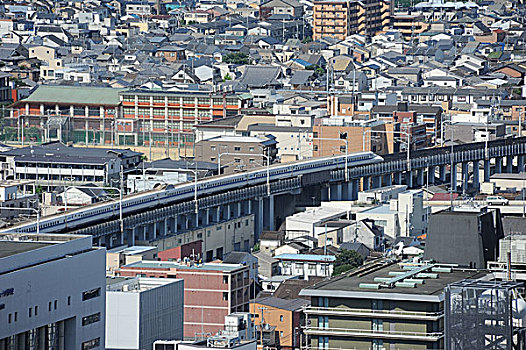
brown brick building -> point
(329, 138)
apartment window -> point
(30, 311)
(251, 160)
(188, 113)
(143, 98)
(86, 320)
(128, 98)
(225, 296)
(90, 294)
(49, 306)
(213, 148)
(16, 316)
(225, 279)
(128, 110)
(237, 160)
(188, 100)
(36, 310)
(237, 148)
(9, 318)
(91, 344)
(281, 333)
(144, 111)
(158, 111)
(55, 304)
(280, 318)
(315, 148)
(158, 99)
(69, 301)
(203, 101)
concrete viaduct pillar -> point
(487, 170)
(498, 165)
(465, 177)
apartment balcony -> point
(376, 334)
(368, 313)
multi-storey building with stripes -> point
(95, 115)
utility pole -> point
(262, 308)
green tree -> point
(227, 77)
(307, 39)
(319, 70)
(347, 260)
(236, 58)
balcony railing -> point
(392, 314)
(378, 334)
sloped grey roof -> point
(260, 76)
(301, 77)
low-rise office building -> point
(141, 310)
(52, 292)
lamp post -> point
(523, 190)
(96, 187)
(196, 207)
(37, 211)
(346, 152)
(247, 154)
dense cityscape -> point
(262, 175)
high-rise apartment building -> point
(341, 18)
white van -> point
(497, 200)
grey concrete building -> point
(468, 238)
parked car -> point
(497, 200)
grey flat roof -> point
(57, 152)
(349, 285)
(9, 248)
(284, 304)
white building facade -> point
(141, 310)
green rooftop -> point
(75, 95)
